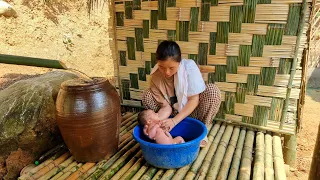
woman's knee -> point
(212, 91)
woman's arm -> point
(164, 111)
(191, 105)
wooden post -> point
(290, 150)
(315, 165)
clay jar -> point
(88, 116)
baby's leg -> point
(178, 140)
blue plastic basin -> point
(175, 155)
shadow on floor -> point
(313, 86)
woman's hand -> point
(168, 124)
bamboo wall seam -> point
(246, 47)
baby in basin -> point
(152, 128)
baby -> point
(152, 128)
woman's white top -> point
(188, 81)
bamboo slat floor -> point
(232, 153)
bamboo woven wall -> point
(314, 42)
(246, 47)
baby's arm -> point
(145, 130)
(153, 131)
(167, 134)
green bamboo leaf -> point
(123, 58)
(285, 66)
(194, 18)
(120, 18)
(146, 28)
(154, 19)
(222, 32)
(230, 102)
(162, 9)
(142, 74)
(267, 76)
(125, 89)
(213, 43)
(241, 92)
(134, 81)
(244, 55)
(220, 73)
(257, 45)
(236, 16)
(205, 10)
(128, 9)
(203, 53)
(293, 20)
(249, 11)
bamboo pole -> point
(290, 150)
(294, 63)
(268, 163)
(254, 127)
(124, 142)
(168, 174)
(245, 169)
(81, 171)
(57, 169)
(114, 51)
(93, 169)
(158, 175)
(126, 116)
(141, 171)
(225, 166)
(59, 149)
(133, 170)
(314, 173)
(128, 165)
(128, 122)
(68, 173)
(205, 165)
(125, 136)
(234, 169)
(51, 165)
(258, 170)
(100, 170)
(119, 163)
(149, 174)
(129, 129)
(203, 152)
(279, 171)
(30, 61)
(220, 154)
(73, 164)
(181, 172)
(45, 163)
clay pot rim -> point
(100, 82)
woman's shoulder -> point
(189, 64)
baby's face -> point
(152, 117)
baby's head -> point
(147, 117)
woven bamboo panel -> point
(246, 47)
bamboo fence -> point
(314, 36)
(251, 49)
(229, 154)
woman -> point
(177, 88)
